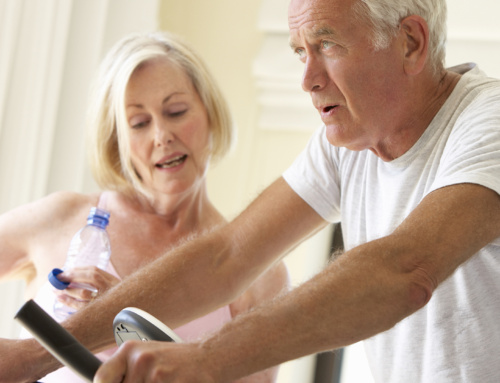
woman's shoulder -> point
(38, 224)
(70, 197)
(58, 207)
(67, 202)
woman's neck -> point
(191, 212)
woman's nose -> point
(163, 135)
(314, 76)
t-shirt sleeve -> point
(314, 176)
(472, 153)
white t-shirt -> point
(456, 336)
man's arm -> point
(370, 288)
(365, 291)
(205, 273)
(210, 271)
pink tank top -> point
(189, 332)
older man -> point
(408, 160)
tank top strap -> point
(111, 269)
(103, 198)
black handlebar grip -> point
(58, 341)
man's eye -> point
(300, 53)
(325, 44)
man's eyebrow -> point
(320, 32)
(292, 44)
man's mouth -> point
(176, 161)
(328, 108)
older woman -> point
(156, 121)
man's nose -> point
(314, 76)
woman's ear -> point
(416, 43)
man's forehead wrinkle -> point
(307, 15)
(311, 22)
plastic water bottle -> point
(89, 246)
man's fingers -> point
(114, 369)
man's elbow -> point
(421, 287)
(419, 295)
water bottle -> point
(89, 246)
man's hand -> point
(156, 362)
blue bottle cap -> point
(98, 217)
(58, 284)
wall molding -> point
(282, 104)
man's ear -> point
(416, 43)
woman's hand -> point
(86, 284)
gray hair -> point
(386, 15)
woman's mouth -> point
(176, 161)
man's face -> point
(358, 91)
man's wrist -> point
(213, 364)
(41, 362)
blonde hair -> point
(386, 15)
(107, 126)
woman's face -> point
(169, 128)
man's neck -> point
(430, 99)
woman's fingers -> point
(86, 284)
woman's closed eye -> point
(176, 114)
(138, 122)
(176, 110)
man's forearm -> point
(365, 291)
(338, 307)
(176, 288)
(205, 273)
